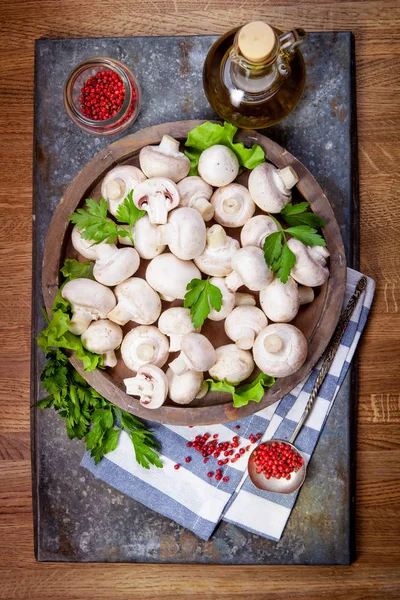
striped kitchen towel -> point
(192, 499)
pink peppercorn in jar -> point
(102, 96)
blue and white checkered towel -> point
(197, 502)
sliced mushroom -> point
(233, 205)
(256, 230)
(232, 364)
(195, 193)
(164, 160)
(89, 249)
(116, 268)
(280, 301)
(89, 301)
(310, 266)
(280, 350)
(118, 183)
(217, 256)
(243, 325)
(157, 196)
(270, 187)
(150, 384)
(197, 354)
(185, 233)
(169, 276)
(249, 269)
(144, 345)
(103, 337)
(184, 388)
(175, 323)
(137, 301)
(244, 299)
(218, 165)
(228, 300)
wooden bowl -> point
(317, 320)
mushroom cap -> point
(184, 388)
(196, 193)
(157, 196)
(309, 268)
(218, 165)
(122, 264)
(198, 351)
(233, 205)
(267, 188)
(249, 263)
(185, 233)
(88, 248)
(243, 324)
(164, 160)
(144, 345)
(89, 294)
(286, 360)
(149, 376)
(117, 184)
(280, 301)
(228, 300)
(102, 336)
(217, 261)
(176, 321)
(256, 230)
(233, 364)
(169, 275)
(137, 301)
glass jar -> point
(125, 116)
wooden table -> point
(376, 572)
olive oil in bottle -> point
(254, 75)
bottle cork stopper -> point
(256, 41)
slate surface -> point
(78, 518)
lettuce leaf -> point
(243, 394)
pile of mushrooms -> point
(189, 231)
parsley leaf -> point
(278, 255)
(94, 223)
(245, 393)
(72, 269)
(297, 214)
(200, 297)
(307, 235)
(286, 263)
(128, 213)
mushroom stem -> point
(203, 390)
(169, 145)
(319, 254)
(273, 343)
(233, 281)
(145, 352)
(105, 251)
(122, 313)
(306, 294)
(179, 365)
(203, 206)
(230, 206)
(109, 359)
(288, 176)
(157, 210)
(246, 340)
(80, 321)
(216, 237)
(174, 342)
(138, 386)
(115, 189)
(244, 299)
(164, 234)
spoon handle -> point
(332, 349)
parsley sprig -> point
(200, 297)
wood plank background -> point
(376, 572)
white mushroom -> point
(228, 300)
(256, 230)
(280, 301)
(185, 233)
(89, 249)
(243, 325)
(232, 364)
(89, 301)
(103, 337)
(217, 256)
(310, 266)
(233, 205)
(144, 345)
(280, 350)
(175, 323)
(137, 301)
(197, 354)
(249, 269)
(244, 299)
(123, 263)
(218, 165)
(118, 183)
(150, 384)
(164, 160)
(306, 294)
(270, 187)
(169, 276)
(145, 237)
(184, 388)
(157, 196)
(195, 193)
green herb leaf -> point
(73, 269)
(286, 263)
(294, 214)
(200, 297)
(252, 392)
(93, 222)
(208, 134)
(294, 209)
(220, 386)
(273, 249)
(128, 213)
(307, 235)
